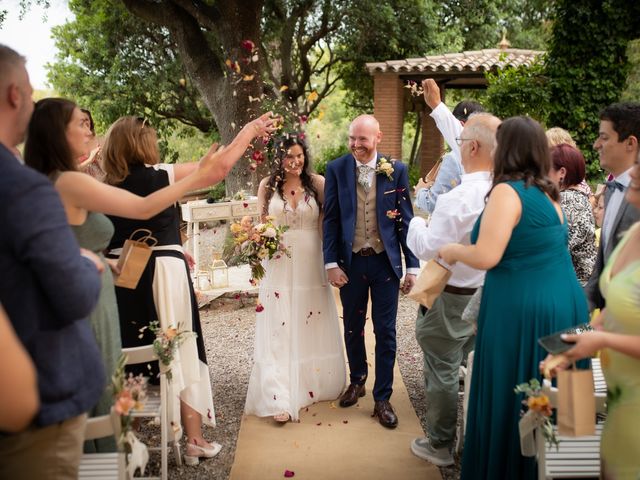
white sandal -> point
(198, 451)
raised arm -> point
(260, 127)
(449, 126)
(82, 191)
(499, 218)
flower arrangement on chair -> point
(539, 409)
(166, 343)
(254, 243)
(130, 394)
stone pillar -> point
(432, 144)
(388, 108)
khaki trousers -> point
(48, 453)
(445, 340)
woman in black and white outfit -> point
(165, 292)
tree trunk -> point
(229, 99)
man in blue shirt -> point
(48, 287)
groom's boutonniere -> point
(385, 167)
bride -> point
(298, 356)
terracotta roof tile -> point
(474, 61)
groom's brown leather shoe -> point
(386, 416)
(350, 397)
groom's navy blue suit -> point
(379, 273)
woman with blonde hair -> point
(165, 292)
(57, 136)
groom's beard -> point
(363, 155)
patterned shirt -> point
(582, 242)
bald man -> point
(445, 339)
(367, 209)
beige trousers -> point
(51, 453)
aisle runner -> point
(333, 443)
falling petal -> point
(311, 394)
(284, 88)
(332, 405)
(248, 78)
(259, 308)
(345, 421)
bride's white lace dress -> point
(298, 353)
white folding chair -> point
(159, 404)
(102, 466)
(575, 456)
(466, 378)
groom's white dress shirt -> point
(452, 220)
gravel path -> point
(228, 327)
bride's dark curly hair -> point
(522, 153)
(277, 177)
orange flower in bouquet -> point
(253, 244)
(539, 408)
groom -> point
(367, 210)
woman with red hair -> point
(567, 171)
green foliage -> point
(329, 154)
(217, 193)
(632, 90)
(414, 175)
(478, 24)
(115, 65)
(585, 69)
(587, 64)
(520, 90)
(382, 30)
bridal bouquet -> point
(254, 243)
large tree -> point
(216, 64)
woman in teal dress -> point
(530, 291)
(618, 339)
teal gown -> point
(532, 292)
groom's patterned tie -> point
(363, 177)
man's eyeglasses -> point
(459, 140)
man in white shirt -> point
(440, 331)
(618, 147)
